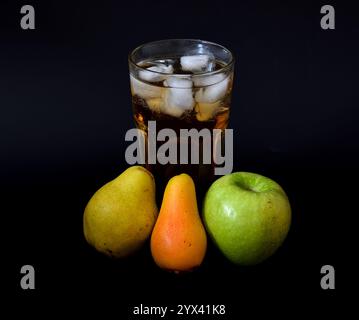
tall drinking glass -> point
(181, 84)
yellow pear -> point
(120, 216)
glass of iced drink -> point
(181, 84)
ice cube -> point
(178, 97)
(151, 75)
(212, 93)
(207, 80)
(206, 111)
(166, 61)
(144, 90)
(179, 82)
(197, 63)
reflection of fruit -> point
(178, 241)
(155, 104)
(120, 216)
(247, 215)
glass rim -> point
(199, 74)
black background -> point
(65, 108)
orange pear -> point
(178, 241)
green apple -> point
(247, 216)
